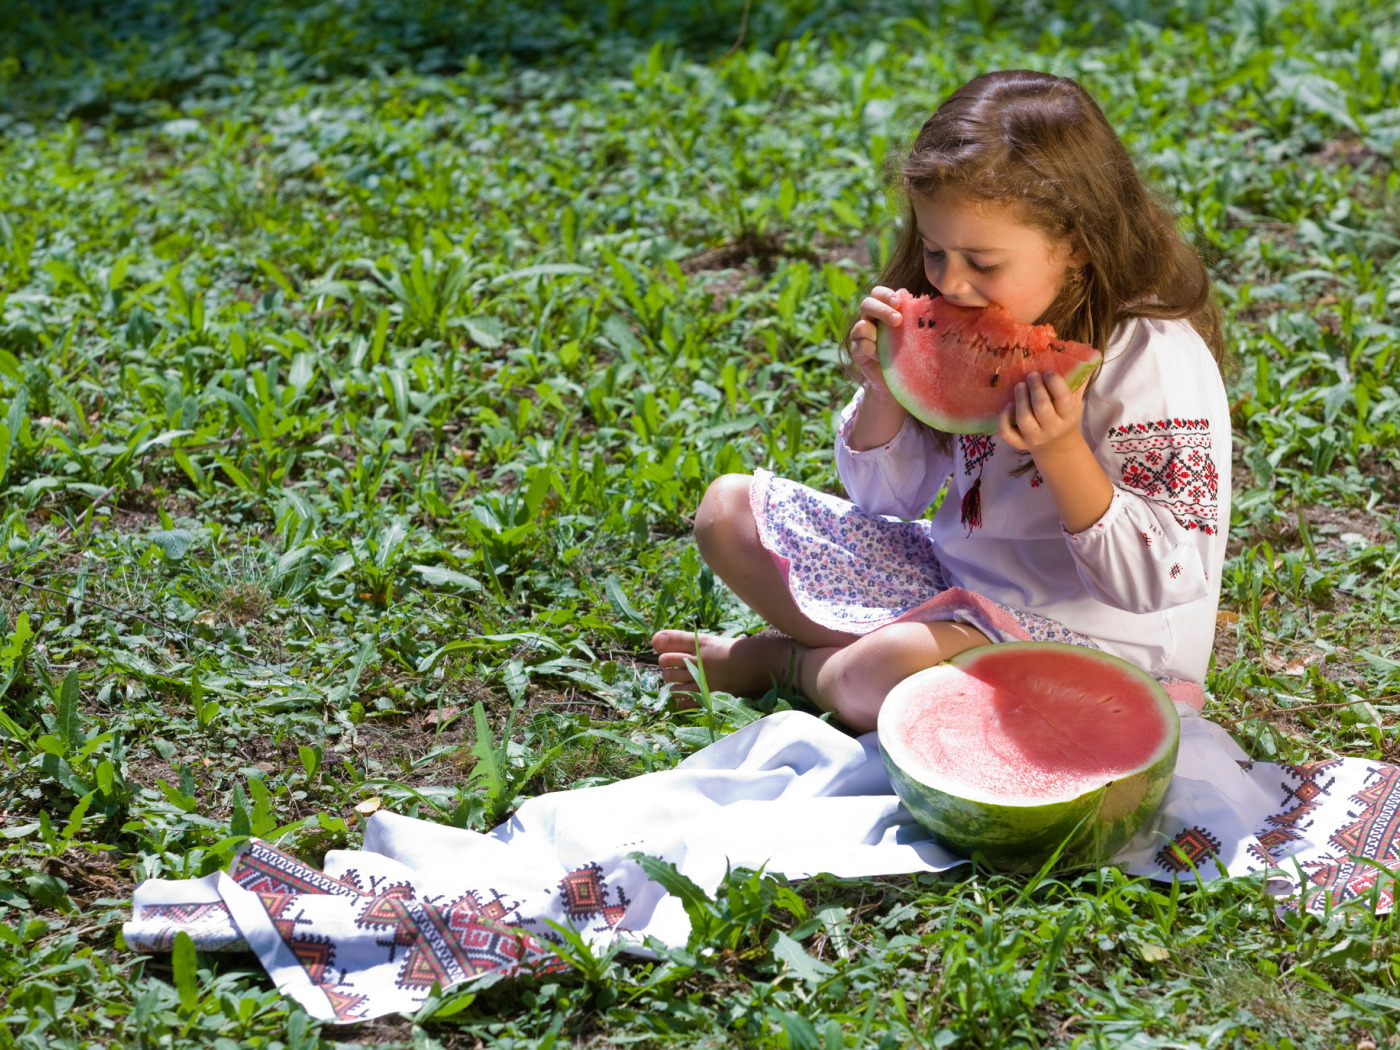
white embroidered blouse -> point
(1144, 580)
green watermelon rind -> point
(1022, 838)
(945, 421)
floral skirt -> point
(850, 570)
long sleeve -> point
(1160, 427)
(900, 478)
(1144, 580)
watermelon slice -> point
(1008, 751)
(956, 367)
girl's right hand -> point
(876, 309)
(880, 417)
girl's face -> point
(978, 252)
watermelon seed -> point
(996, 377)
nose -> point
(949, 276)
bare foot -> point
(743, 666)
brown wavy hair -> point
(1041, 144)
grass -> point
(360, 364)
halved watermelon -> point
(956, 367)
(1007, 751)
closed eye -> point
(939, 255)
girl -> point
(1097, 518)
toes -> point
(677, 672)
(673, 642)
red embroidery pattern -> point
(1275, 839)
(441, 940)
(1373, 833)
(1376, 830)
(280, 881)
(465, 938)
(1168, 461)
(1190, 847)
(1306, 794)
(585, 896)
(210, 924)
(976, 450)
(1270, 847)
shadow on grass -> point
(134, 61)
(89, 59)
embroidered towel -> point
(422, 903)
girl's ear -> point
(1078, 257)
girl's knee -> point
(850, 674)
(882, 659)
(724, 518)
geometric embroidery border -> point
(1168, 461)
(1188, 850)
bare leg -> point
(742, 666)
(727, 536)
(853, 680)
(841, 672)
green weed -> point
(361, 367)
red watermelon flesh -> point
(1016, 750)
(956, 367)
(1007, 731)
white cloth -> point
(423, 903)
(1144, 580)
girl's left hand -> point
(1044, 417)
